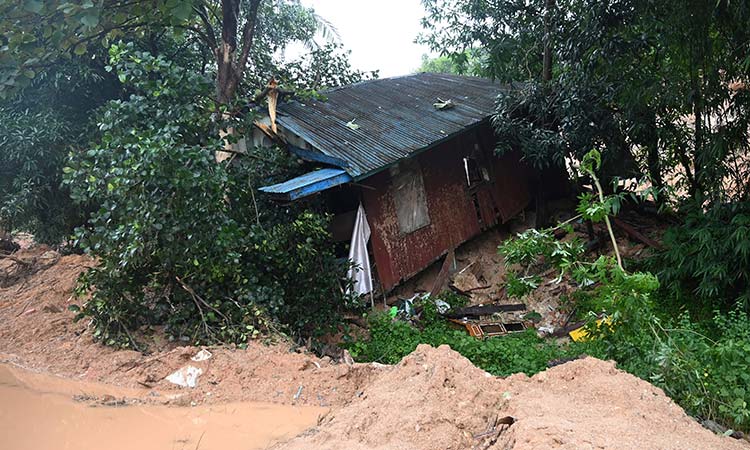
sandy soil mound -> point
(436, 399)
(433, 399)
(38, 333)
(589, 403)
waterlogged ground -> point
(43, 412)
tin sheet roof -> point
(389, 119)
(307, 184)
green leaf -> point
(90, 19)
(34, 6)
(80, 49)
(183, 10)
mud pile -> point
(38, 333)
(435, 399)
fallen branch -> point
(198, 300)
(635, 234)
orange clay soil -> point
(37, 332)
(433, 399)
(436, 399)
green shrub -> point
(705, 368)
(706, 260)
(181, 240)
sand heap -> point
(436, 399)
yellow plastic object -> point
(581, 335)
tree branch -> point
(210, 35)
(248, 33)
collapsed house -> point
(408, 162)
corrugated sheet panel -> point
(307, 184)
(395, 117)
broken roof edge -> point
(361, 176)
(317, 156)
(307, 184)
(421, 150)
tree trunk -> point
(542, 219)
(231, 61)
(226, 78)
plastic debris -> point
(202, 355)
(546, 329)
(443, 104)
(186, 376)
(351, 125)
(442, 307)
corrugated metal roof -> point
(395, 117)
(307, 184)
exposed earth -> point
(433, 399)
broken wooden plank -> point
(635, 234)
(483, 310)
(445, 270)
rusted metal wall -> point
(453, 215)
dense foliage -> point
(41, 123)
(660, 87)
(706, 263)
(181, 240)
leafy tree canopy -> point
(466, 63)
(659, 87)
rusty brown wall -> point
(453, 217)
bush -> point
(707, 258)
(705, 368)
(181, 240)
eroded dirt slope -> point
(38, 333)
(435, 398)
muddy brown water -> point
(43, 412)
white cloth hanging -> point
(361, 274)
